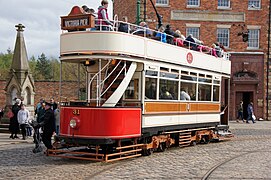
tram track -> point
(208, 174)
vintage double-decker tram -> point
(135, 100)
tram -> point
(135, 88)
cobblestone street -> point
(246, 156)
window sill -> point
(254, 9)
(162, 5)
(188, 6)
(253, 48)
(224, 8)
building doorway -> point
(246, 97)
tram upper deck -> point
(97, 44)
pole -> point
(267, 63)
(138, 12)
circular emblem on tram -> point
(189, 57)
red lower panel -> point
(115, 123)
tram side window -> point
(204, 92)
(216, 93)
(132, 90)
(150, 88)
(168, 89)
(190, 89)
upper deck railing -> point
(146, 32)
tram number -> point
(76, 112)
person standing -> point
(48, 124)
(103, 20)
(57, 119)
(250, 112)
(23, 118)
(14, 125)
(240, 112)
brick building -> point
(224, 21)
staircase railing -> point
(100, 83)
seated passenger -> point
(178, 38)
(184, 95)
(143, 29)
(190, 42)
(160, 35)
(124, 27)
(170, 34)
(150, 92)
(219, 50)
(213, 50)
(165, 94)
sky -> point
(41, 19)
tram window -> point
(216, 93)
(164, 69)
(216, 82)
(193, 74)
(132, 90)
(151, 73)
(168, 89)
(150, 88)
(205, 80)
(190, 89)
(189, 78)
(204, 92)
(169, 75)
(185, 72)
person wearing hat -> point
(48, 124)
(14, 125)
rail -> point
(146, 32)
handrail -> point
(113, 80)
(134, 29)
(96, 75)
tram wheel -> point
(147, 152)
(162, 147)
(205, 140)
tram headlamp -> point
(73, 123)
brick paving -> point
(246, 156)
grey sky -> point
(42, 21)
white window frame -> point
(162, 2)
(224, 6)
(226, 36)
(254, 4)
(253, 42)
(193, 5)
(195, 35)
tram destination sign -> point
(77, 22)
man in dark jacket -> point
(48, 124)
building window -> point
(223, 36)
(192, 2)
(253, 38)
(161, 2)
(223, 3)
(254, 4)
(194, 31)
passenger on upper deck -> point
(192, 42)
(143, 26)
(124, 27)
(103, 20)
(178, 38)
(170, 34)
(161, 35)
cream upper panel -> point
(89, 42)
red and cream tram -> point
(142, 95)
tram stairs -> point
(184, 139)
(116, 77)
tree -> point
(5, 63)
(43, 68)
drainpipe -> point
(267, 62)
(138, 12)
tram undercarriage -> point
(114, 150)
